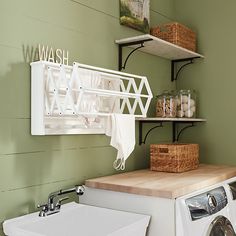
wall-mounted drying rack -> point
(188, 122)
(155, 46)
(76, 99)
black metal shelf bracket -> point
(127, 58)
(175, 73)
(176, 133)
(120, 54)
(141, 140)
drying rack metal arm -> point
(90, 114)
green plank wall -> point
(214, 77)
(31, 166)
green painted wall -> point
(30, 166)
(213, 77)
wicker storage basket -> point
(174, 157)
(176, 33)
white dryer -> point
(204, 213)
(230, 187)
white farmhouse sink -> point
(79, 220)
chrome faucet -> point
(54, 204)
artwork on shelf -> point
(135, 14)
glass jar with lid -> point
(186, 104)
(166, 106)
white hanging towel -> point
(121, 128)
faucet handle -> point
(44, 209)
(43, 206)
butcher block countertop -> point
(161, 184)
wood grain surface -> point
(162, 184)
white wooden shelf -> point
(159, 47)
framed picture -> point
(135, 14)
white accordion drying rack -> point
(76, 99)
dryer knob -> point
(212, 201)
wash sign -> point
(58, 55)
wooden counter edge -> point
(129, 189)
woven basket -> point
(176, 33)
(174, 157)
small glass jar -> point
(186, 104)
(166, 106)
(160, 106)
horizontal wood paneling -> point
(29, 169)
(16, 138)
(163, 9)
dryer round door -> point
(221, 226)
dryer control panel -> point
(207, 203)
